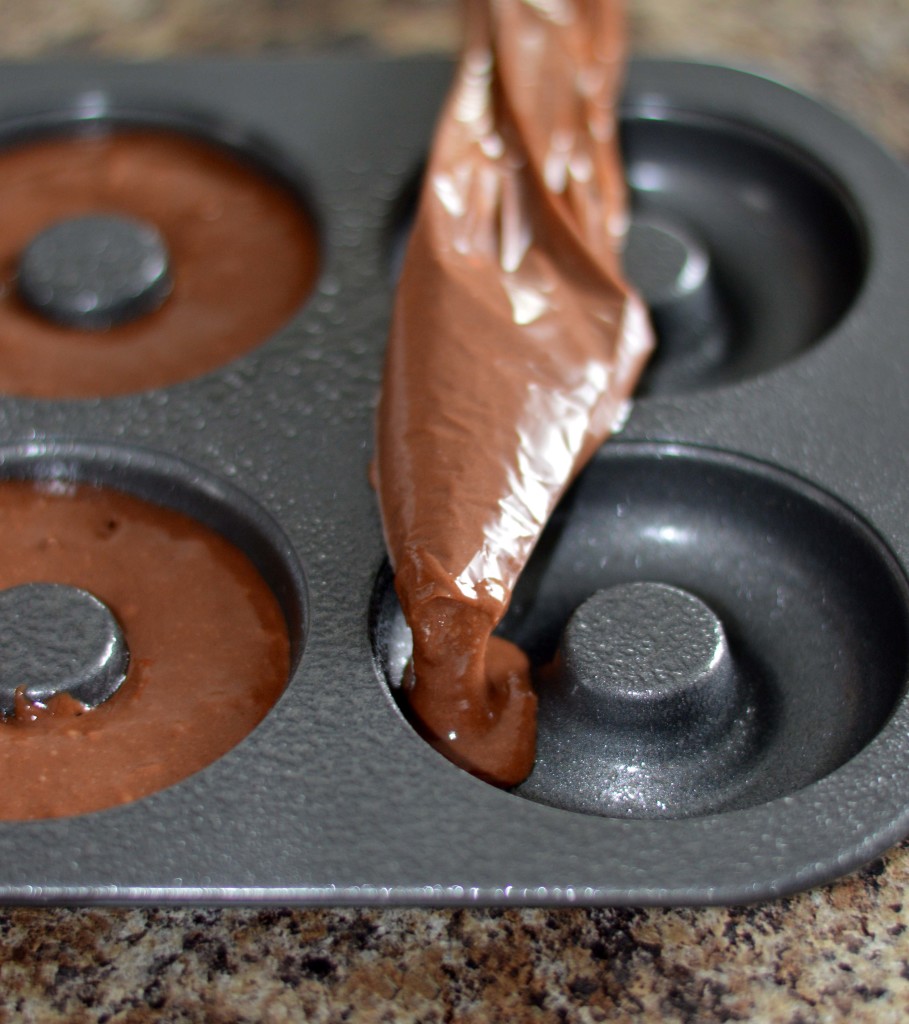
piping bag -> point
(514, 347)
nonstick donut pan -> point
(724, 588)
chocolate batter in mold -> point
(795, 464)
(140, 645)
(135, 255)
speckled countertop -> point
(836, 953)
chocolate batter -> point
(209, 649)
(243, 257)
(514, 347)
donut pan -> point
(725, 585)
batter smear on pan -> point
(514, 347)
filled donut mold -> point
(141, 248)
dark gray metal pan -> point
(762, 472)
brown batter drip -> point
(209, 649)
(243, 257)
(514, 347)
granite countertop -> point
(837, 952)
